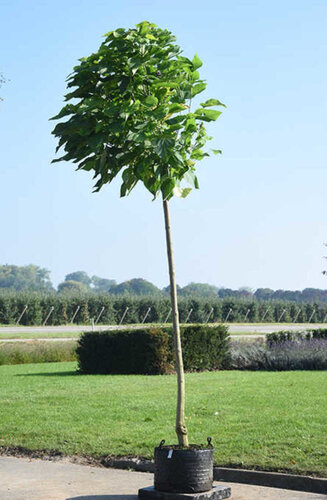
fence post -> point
(247, 313)
(74, 315)
(49, 314)
(146, 314)
(230, 310)
(265, 314)
(296, 316)
(280, 317)
(20, 317)
(311, 315)
(100, 314)
(188, 316)
(209, 315)
(123, 316)
(167, 316)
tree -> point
(72, 287)
(25, 278)
(199, 289)
(102, 284)
(2, 81)
(136, 286)
(80, 276)
(133, 117)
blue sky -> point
(259, 218)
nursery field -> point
(266, 420)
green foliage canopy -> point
(102, 284)
(80, 276)
(136, 286)
(21, 278)
(72, 287)
(130, 113)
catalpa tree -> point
(129, 113)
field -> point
(271, 421)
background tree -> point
(23, 278)
(2, 81)
(80, 276)
(72, 287)
(136, 286)
(131, 115)
(199, 289)
(101, 285)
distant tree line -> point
(36, 279)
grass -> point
(39, 335)
(35, 351)
(270, 421)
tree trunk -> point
(181, 429)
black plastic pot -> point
(188, 470)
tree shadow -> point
(104, 497)
(49, 374)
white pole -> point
(92, 323)
(167, 316)
(263, 317)
(123, 316)
(280, 317)
(49, 314)
(296, 316)
(247, 313)
(20, 317)
(230, 310)
(312, 315)
(146, 314)
(74, 315)
(100, 314)
(188, 316)
(209, 315)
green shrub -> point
(150, 351)
(205, 347)
(124, 351)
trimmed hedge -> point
(123, 352)
(150, 351)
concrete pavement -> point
(35, 479)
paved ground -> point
(33, 479)
(234, 328)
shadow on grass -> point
(49, 374)
(104, 497)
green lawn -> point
(39, 335)
(269, 420)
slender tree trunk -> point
(181, 429)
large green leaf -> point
(164, 147)
(167, 188)
(207, 115)
(196, 61)
(212, 102)
(196, 89)
(151, 101)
